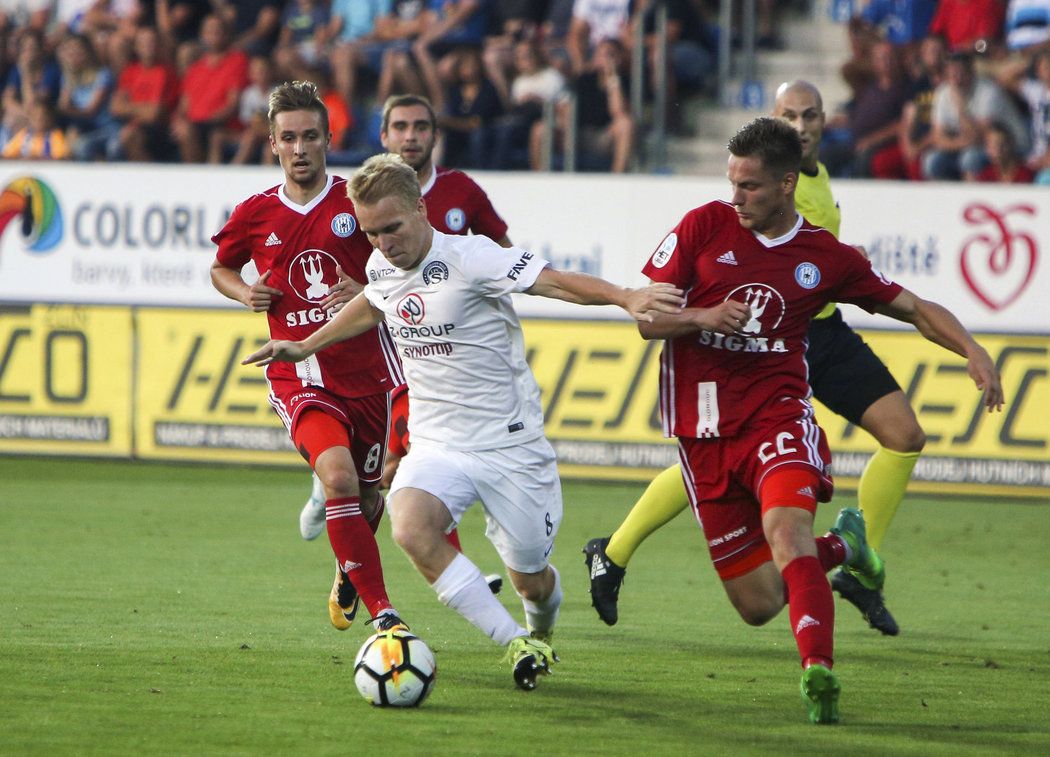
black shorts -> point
(845, 374)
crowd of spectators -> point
(187, 80)
(941, 89)
(946, 90)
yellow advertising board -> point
(194, 400)
(65, 380)
(599, 383)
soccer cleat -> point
(531, 658)
(606, 578)
(343, 601)
(865, 565)
(868, 601)
(389, 621)
(312, 516)
(495, 582)
(820, 692)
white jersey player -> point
(476, 422)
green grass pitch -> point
(149, 609)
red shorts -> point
(723, 477)
(367, 421)
(398, 443)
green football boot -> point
(865, 565)
(820, 692)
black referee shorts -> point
(845, 374)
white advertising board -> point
(141, 234)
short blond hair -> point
(384, 175)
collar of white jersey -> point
(304, 209)
(783, 238)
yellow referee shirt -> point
(814, 201)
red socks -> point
(355, 548)
(811, 608)
(830, 551)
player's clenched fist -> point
(261, 296)
(644, 302)
(275, 351)
(726, 318)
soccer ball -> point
(395, 669)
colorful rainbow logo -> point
(35, 205)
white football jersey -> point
(460, 341)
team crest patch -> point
(343, 225)
(807, 275)
(311, 273)
(435, 273)
(456, 219)
(663, 253)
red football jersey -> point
(456, 205)
(712, 385)
(302, 245)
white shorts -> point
(518, 487)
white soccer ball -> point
(395, 669)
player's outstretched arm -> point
(940, 326)
(257, 297)
(725, 318)
(356, 318)
(642, 304)
(342, 292)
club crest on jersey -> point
(311, 273)
(411, 309)
(456, 219)
(343, 225)
(663, 253)
(767, 307)
(435, 273)
(807, 275)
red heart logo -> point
(997, 263)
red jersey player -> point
(336, 405)
(734, 390)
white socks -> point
(540, 616)
(462, 587)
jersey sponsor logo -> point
(521, 265)
(435, 273)
(309, 271)
(343, 225)
(427, 350)
(766, 303)
(411, 309)
(414, 332)
(271, 241)
(456, 219)
(728, 258)
(380, 273)
(663, 253)
(308, 316)
(807, 275)
(741, 343)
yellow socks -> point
(664, 498)
(881, 489)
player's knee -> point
(757, 610)
(338, 482)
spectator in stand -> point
(554, 33)
(304, 34)
(40, 139)
(83, 102)
(179, 21)
(253, 24)
(397, 70)
(211, 92)
(874, 117)
(26, 14)
(448, 27)
(593, 22)
(1027, 23)
(903, 23)
(535, 84)
(606, 128)
(964, 106)
(1034, 88)
(1005, 164)
(35, 76)
(468, 106)
(512, 22)
(356, 31)
(253, 143)
(969, 25)
(71, 17)
(915, 135)
(146, 95)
